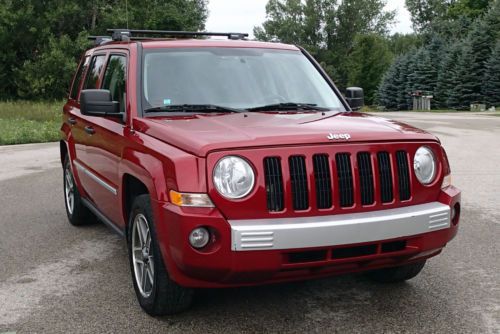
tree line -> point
(42, 40)
(453, 54)
(459, 64)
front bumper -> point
(250, 252)
(345, 229)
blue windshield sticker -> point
(167, 102)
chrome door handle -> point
(71, 121)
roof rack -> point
(125, 35)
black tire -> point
(79, 214)
(165, 296)
(396, 274)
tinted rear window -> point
(78, 78)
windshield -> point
(234, 78)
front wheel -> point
(156, 292)
(396, 274)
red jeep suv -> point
(229, 162)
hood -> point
(203, 133)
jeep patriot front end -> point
(229, 163)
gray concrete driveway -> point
(55, 278)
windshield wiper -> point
(192, 108)
(288, 106)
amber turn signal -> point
(192, 200)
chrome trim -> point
(343, 229)
(96, 178)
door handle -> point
(71, 121)
(90, 130)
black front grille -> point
(323, 181)
(298, 178)
(366, 178)
(344, 174)
(333, 177)
(274, 184)
(385, 174)
(403, 176)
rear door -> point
(72, 114)
(82, 126)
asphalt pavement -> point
(56, 278)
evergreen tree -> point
(469, 84)
(491, 87)
(425, 73)
(446, 77)
(409, 78)
(388, 88)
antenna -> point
(126, 11)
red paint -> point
(179, 153)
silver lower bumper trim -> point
(344, 229)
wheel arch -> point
(132, 187)
(63, 149)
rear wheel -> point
(156, 292)
(396, 274)
(77, 213)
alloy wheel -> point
(69, 190)
(142, 255)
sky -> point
(243, 15)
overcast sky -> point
(243, 15)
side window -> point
(78, 78)
(96, 67)
(115, 79)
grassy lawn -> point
(23, 122)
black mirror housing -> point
(98, 102)
(355, 96)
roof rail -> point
(128, 34)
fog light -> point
(199, 237)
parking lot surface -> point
(55, 278)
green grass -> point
(23, 122)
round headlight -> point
(424, 165)
(233, 177)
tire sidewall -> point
(142, 206)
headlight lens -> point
(424, 165)
(233, 177)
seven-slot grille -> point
(334, 177)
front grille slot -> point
(298, 178)
(274, 184)
(347, 252)
(366, 178)
(403, 176)
(393, 246)
(323, 181)
(305, 257)
(344, 174)
(385, 174)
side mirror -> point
(97, 102)
(355, 97)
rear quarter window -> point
(78, 78)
